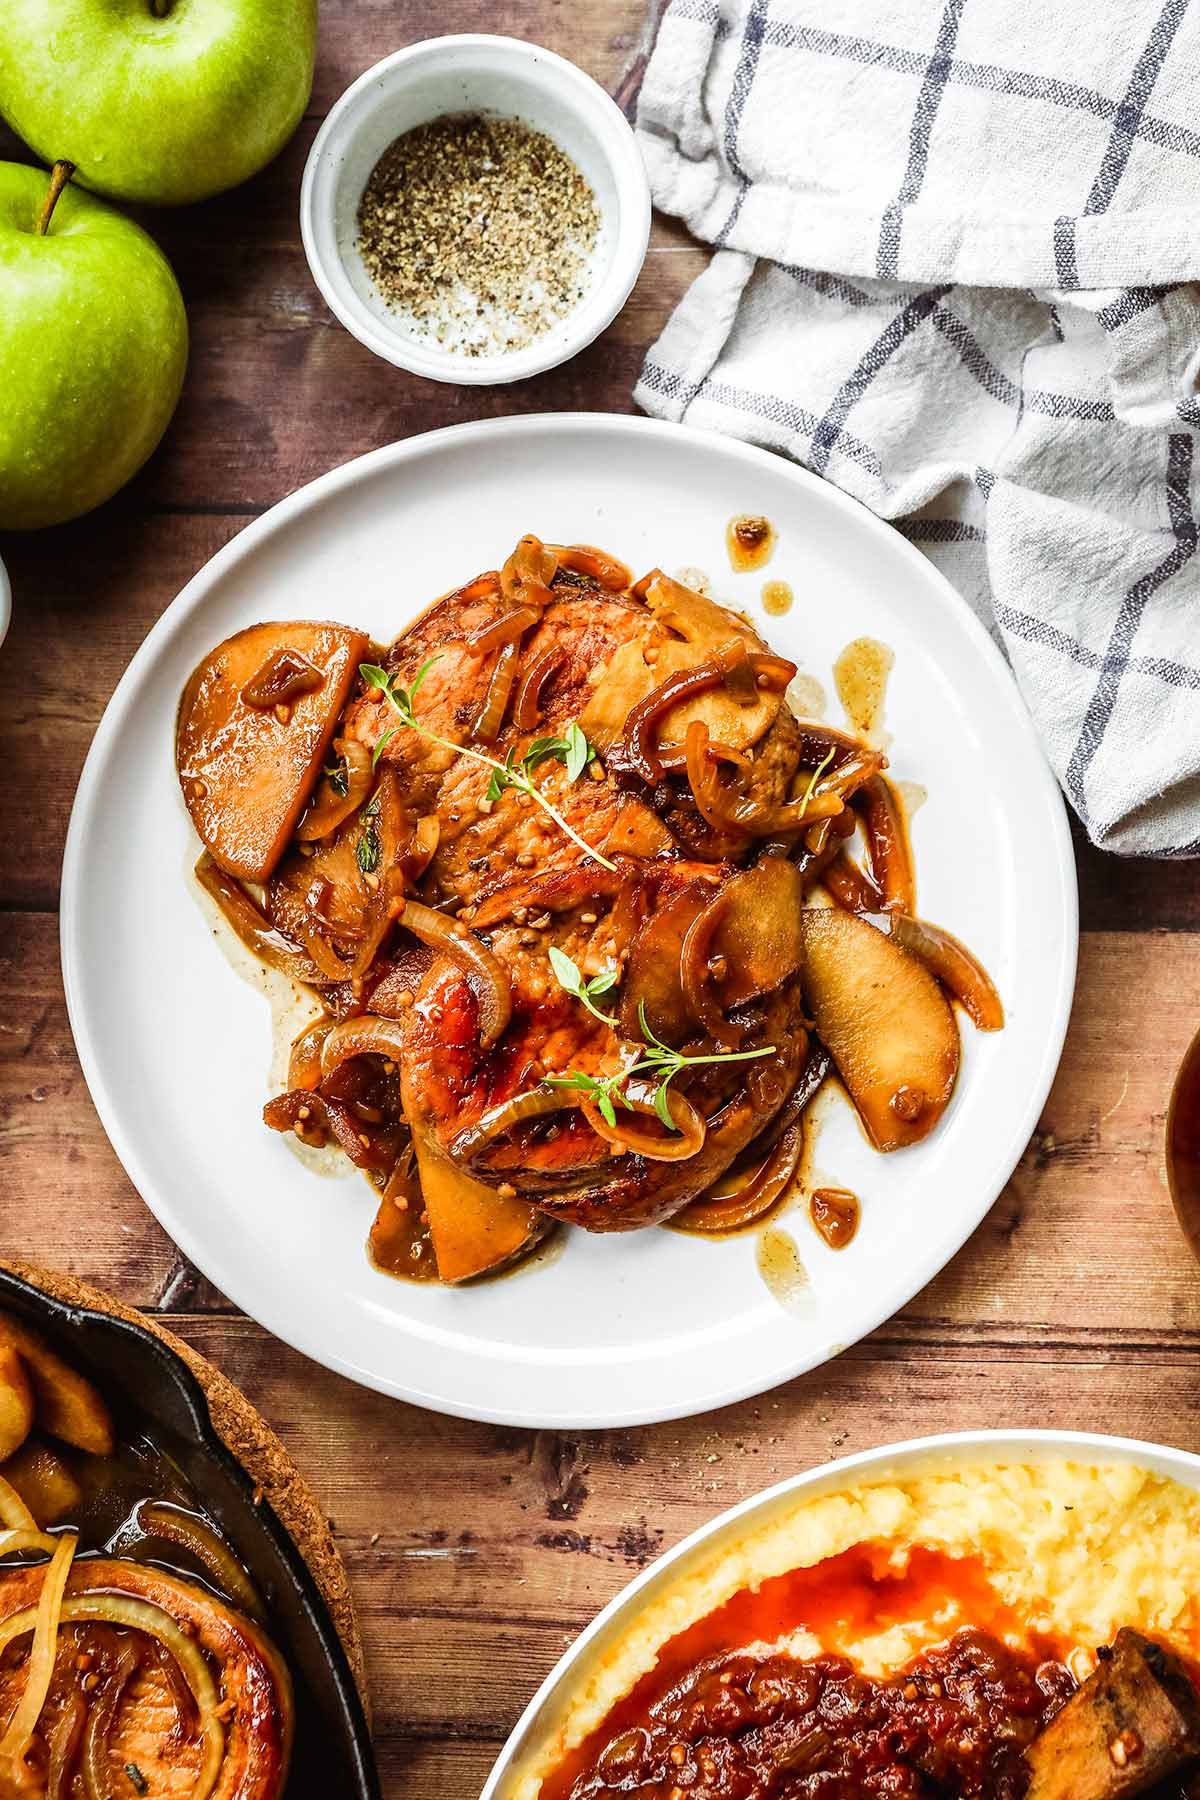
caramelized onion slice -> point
(324, 1119)
(252, 925)
(887, 836)
(139, 1615)
(490, 717)
(951, 962)
(655, 1144)
(527, 706)
(526, 576)
(15, 1543)
(744, 1193)
(728, 810)
(368, 1034)
(849, 885)
(535, 1104)
(753, 1196)
(696, 976)
(43, 1620)
(508, 628)
(304, 1058)
(490, 984)
(641, 727)
(159, 1519)
(62, 1745)
(328, 807)
(427, 835)
(605, 570)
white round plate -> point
(890, 1462)
(620, 1329)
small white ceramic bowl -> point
(474, 74)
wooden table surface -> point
(478, 1553)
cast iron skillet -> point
(147, 1385)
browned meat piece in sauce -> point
(678, 810)
(954, 1724)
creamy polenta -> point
(1068, 1552)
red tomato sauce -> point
(713, 1720)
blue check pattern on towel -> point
(954, 250)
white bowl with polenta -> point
(1001, 1615)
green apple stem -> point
(160, 8)
(60, 174)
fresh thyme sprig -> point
(574, 751)
(569, 976)
(657, 1058)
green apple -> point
(157, 101)
(93, 345)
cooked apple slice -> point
(472, 1227)
(43, 1481)
(255, 722)
(65, 1404)
(16, 1402)
(886, 1023)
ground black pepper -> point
(480, 230)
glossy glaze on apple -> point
(549, 881)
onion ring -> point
(159, 1519)
(135, 1615)
(535, 1104)
(527, 706)
(43, 1620)
(685, 1141)
(490, 985)
(694, 976)
(368, 1034)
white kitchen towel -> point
(954, 243)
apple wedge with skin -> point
(255, 721)
(886, 1023)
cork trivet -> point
(250, 1439)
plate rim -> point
(826, 1477)
(174, 618)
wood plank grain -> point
(477, 1553)
(1081, 1250)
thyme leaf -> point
(656, 1057)
(570, 977)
